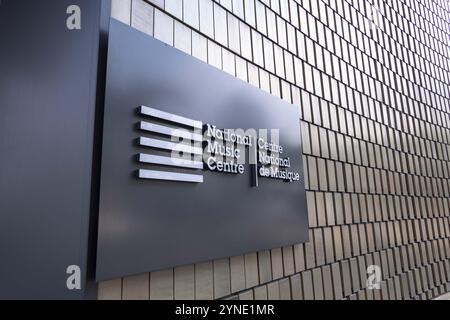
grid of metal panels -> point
(371, 80)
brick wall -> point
(371, 80)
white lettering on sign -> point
(198, 146)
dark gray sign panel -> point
(49, 59)
(174, 189)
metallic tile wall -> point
(371, 80)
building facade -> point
(371, 81)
